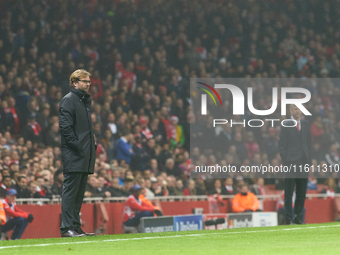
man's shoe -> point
(296, 221)
(80, 231)
(290, 223)
(71, 233)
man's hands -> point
(158, 212)
(30, 218)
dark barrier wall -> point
(46, 218)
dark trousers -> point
(134, 222)
(19, 225)
(301, 189)
(72, 198)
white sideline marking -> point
(161, 237)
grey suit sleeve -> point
(309, 144)
(283, 144)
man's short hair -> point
(125, 131)
(91, 176)
(21, 177)
(101, 173)
(169, 160)
(138, 180)
(32, 182)
(12, 173)
(5, 177)
(77, 75)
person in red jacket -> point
(16, 219)
(135, 208)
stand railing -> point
(42, 201)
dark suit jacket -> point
(21, 193)
(78, 148)
(294, 144)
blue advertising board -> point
(188, 222)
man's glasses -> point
(86, 81)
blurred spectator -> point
(16, 219)
(240, 146)
(5, 186)
(171, 169)
(171, 183)
(224, 139)
(108, 143)
(114, 189)
(178, 190)
(32, 130)
(316, 152)
(127, 75)
(317, 130)
(53, 137)
(214, 197)
(271, 144)
(42, 188)
(228, 189)
(95, 187)
(2, 215)
(128, 183)
(148, 193)
(159, 186)
(156, 189)
(111, 125)
(143, 196)
(32, 187)
(102, 189)
(217, 189)
(233, 155)
(245, 201)
(257, 189)
(332, 156)
(7, 119)
(251, 146)
(239, 184)
(135, 209)
(330, 188)
(21, 188)
(191, 189)
(124, 150)
(57, 187)
(91, 186)
(177, 134)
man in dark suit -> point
(21, 188)
(295, 148)
(78, 150)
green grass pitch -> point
(293, 239)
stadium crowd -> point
(141, 55)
